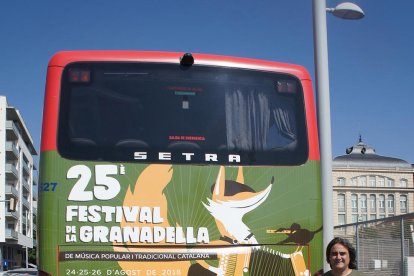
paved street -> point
(8, 273)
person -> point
(341, 256)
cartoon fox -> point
(230, 201)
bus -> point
(167, 163)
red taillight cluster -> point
(286, 86)
(80, 75)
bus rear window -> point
(163, 113)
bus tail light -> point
(287, 86)
(80, 75)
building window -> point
(354, 203)
(341, 203)
(363, 201)
(390, 203)
(362, 181)
(403, 183)
(390, 182)
(372, 216)
(340, 181)
(372, 204)
(381, 182)
(354, 182)
(363, 217)
(341, 219)
(372, 181)
(403, 204)
(381, 203)
(354, 218)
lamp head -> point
(347, 10)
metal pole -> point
(412, 236)
(27, 251)
(27, 257)
(357, 243)
(1, 248)
(324, 116)
(402, 248)
(5, 208)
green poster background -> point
(294, 199)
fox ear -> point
(240, 176)
(219, 187)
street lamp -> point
(345, 11)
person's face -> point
(339, 257)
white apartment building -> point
(18, 184)
(369, 186)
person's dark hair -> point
(348, 245)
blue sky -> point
(371, 61)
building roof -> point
(362, 155)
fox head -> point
(231, 200)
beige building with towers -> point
(368, 186)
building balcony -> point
(13, 215)
(25, 185)
(35, 195)
(26, 169)
(11, 190)
(25, 240)
(11, 151)
(11, 234)
(25, 202)
(11, 172)
(12, 133)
